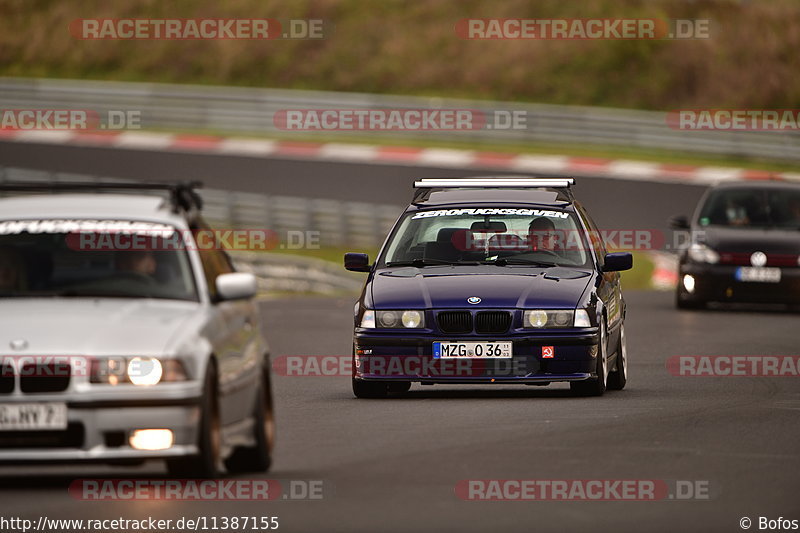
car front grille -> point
(72, 437)
(492, 321)
(6, 378)
(35, 377)
(743, 259)
(455, 321)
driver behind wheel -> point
(542, 235)
(136, 262)
(12, 270)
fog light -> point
(151, 439)
(688, 283)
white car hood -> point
(93, 326)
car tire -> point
(207, 463)
(257, 458)
(595, 386)
(619, 377)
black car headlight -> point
(402, 319)
(555, 318)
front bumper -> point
(402, 357)
(100, 424)
(718, 283)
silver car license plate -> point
(759, 274)
(33, 416)
(472, 350)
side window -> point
(595, 237)
(215, 262)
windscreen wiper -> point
(426, 262)
(503, 261)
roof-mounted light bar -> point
(510, 182)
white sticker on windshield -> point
(492, 211)
(14, 227)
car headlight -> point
(144, 371)
(409, 319)
(555, 318)
(141, 371)
(412, 319)
(701, 253)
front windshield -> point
(488, 235)
(752, 208)
(39, 260)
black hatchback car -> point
(744, 246)
(491, 280)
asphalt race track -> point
(393, 465)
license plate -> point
(758, 274)
(471, 350)
(33, 416)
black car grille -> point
(492, 321)
(6, 378)
(72, 437)
(455, 321)
(35, 377)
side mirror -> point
(236, 286)
(356, 262)
(618, 261)
(679, 222)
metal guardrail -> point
(337, 223)
(294, 273)
(240, 110)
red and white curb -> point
(665, 273)
(399, 155)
